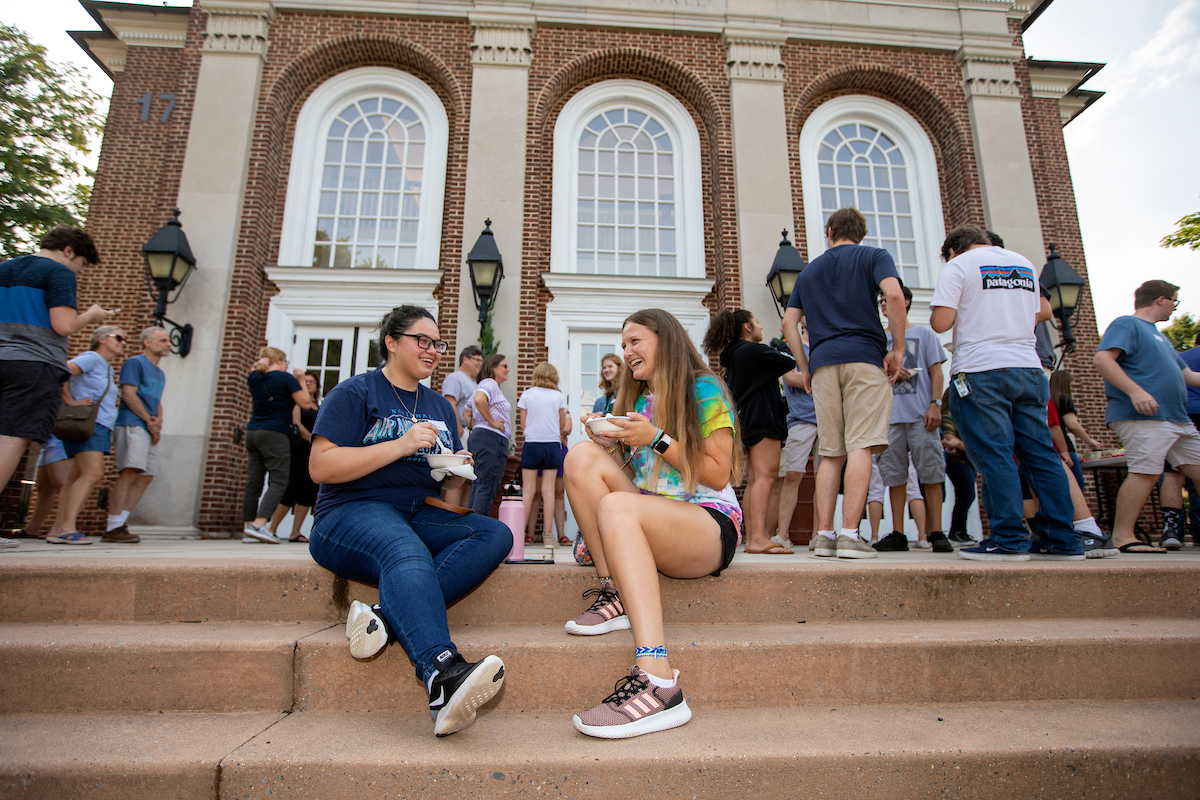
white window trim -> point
(925, 192)
(577, 113)
(308, 152)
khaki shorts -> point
(801, 438)
(854, 408)
(132, 449)
(1150, 442)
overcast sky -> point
(1134, 158)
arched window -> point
(864, 152)
(367, 177)
(626, 184)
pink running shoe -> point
(606, 614)
(636, 707)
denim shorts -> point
(52, 452)
(101, 442)
(541, 455)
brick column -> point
(760, 160)
(1010, 204)
(501, 55)
(210, 196)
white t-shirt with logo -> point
(543, 413)
(995, 294)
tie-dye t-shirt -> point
(715, 413)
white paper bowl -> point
(446, 460)
(602, 426)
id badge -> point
(960, 384)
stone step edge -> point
(982, 749)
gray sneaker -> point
(823, 546)
(853, 547)
(1170, 541)
(1097, 546)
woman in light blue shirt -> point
(91, 382)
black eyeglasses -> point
(424, 342)
(119, 338)
(1174, 300)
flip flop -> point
(1128, 548)
(301, 539)
(784, 543)
(772, 550)
(74, 537)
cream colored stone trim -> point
(501, 44)
(989, 72)
(237, 26)
(112, 52)
(754, 55)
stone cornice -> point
(125, 25)
(1060, 81)
(237, 26)
(501, 39)
(754, 54)
(989, 71)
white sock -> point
(1088, 525)
(851, 532)
(661, 683)
(830, 534)
(117, 520)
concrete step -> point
(129, 667)
(979, 750)
(36, 589)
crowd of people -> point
(653, 489)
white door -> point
(580, 382)
(334, 353)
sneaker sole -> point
(480, 686)
(107, 540)
(1102, 552)
(620, 623)
(1056, 557)
(662, 721)
(994, 556)
(367, 634)
(265, 538)
(856, 554)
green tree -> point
(1182, 332)
(1188, 234)
(47, 117)
(487, 337)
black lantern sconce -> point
(1064, 285)
(487, 270)
(169, 263)
(786, 267)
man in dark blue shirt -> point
(849, 369)
(37, 314)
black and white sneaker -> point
(366, 630)
(894, 542)
(1098, 546)
(960, 538)
(459, 687)
(940, 543)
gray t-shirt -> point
(911, 398)
(462, 389)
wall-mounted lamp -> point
(169, 263)
(487, 270)
(1064, 285)
(786, 267)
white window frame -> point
(308, 152)
(925, 189)
(670, 113)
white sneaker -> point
(366, 630)
(256, 533)
(6, 543)
(923, 544)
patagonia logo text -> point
(1008, 278)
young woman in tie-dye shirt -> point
(676, 514)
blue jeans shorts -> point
(101, 442)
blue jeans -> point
(490, 451)
(1005, 413)
(422, 558)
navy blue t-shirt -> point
(268, 416)
(366, 409)
(29, 287)
(838, 292)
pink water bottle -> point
(512, 514)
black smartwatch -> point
(661, 444)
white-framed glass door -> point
(334, 353)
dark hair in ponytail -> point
(725, 328)
(396, 322)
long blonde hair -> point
(271, 354)
(678, 365)
(545, 375)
